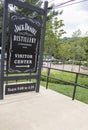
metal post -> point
(74, 91)
(48, 74)
(5, 11)
(42, 46)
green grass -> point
(82, 80)
(65, 88)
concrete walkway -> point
(47, 110)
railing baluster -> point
(74, 91)
(47, 78)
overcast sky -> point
(75, 16)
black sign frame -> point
(24, 40)
(43, 12)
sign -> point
(24, 42)
(19, 88)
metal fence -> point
(34, 76)
(75, 83)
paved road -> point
(47, 110)
(74, 68)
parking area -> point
(68, 67)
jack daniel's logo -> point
(25, 27)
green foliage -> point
(53, 33)
(75, 49)
(27, 12)
(85, 64)
(64, 51)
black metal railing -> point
(34, 76)
(75, 83)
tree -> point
(85, 45)
(64, 52)
(78, 47)
(53, 33)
